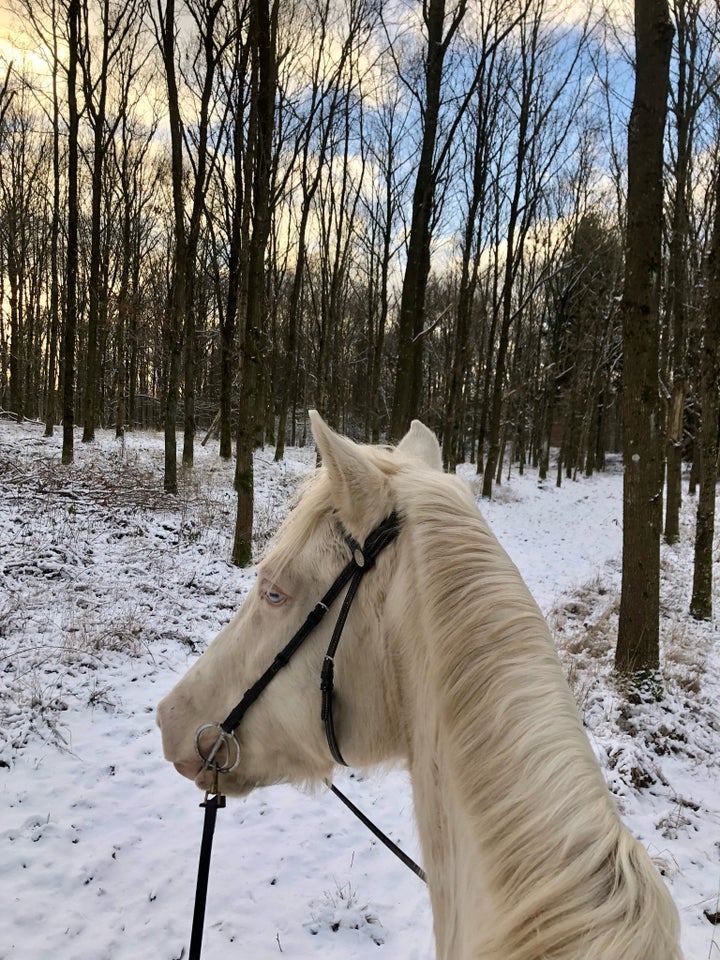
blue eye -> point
(274, 596)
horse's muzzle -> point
(185, 760)
(190, 769)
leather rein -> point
(226, 748)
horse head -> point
(281, 737)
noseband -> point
(224, 754)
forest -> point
(215, 214)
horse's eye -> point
(274, 596)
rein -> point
(363, 559)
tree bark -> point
(51, 406)
(263, 32)
(238, 254)
(173, 331)
(123, 309)
(71, 255)
(684, 108)
(96, 112)
(638, 630)
(707, 446)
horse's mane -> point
(568, 879)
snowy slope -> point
(109, 589)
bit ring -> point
(223, 739)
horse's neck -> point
(522, 846)
(486, 700)
(460, 901)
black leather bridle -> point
(226, 746)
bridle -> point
(224, 755)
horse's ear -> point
(360, 491)
(420, 443)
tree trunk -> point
(408, 376)
(17, 326)
(513, 257)
(228, 323)
(707, 445)
(51, 408)
(189, 371)
(453, 427)
(678, 276)
(71, 267)
(638, 629)
(95, 292)
(123, 306)
(132, 336)
(262, 37)
(176, 301)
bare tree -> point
(479, 144)
(6, 97)
(73, 215)
(214, 37)
(166, 30)
(693, 78)
(263, 41)
(542, 130)
(116, 24)
(638, 630)
(707, 445)
(180, 324)
(237, 214)
(50, 413)
(44, 18)
(22, 163)
(441, 28)
(326, 98)
(130, 152)
(382, 200)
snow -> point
(108, 591)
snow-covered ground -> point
(109, 589)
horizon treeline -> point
(431, 195)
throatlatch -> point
(363, 559)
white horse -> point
(448, 665)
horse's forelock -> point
(315, 527)
(307, 531)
